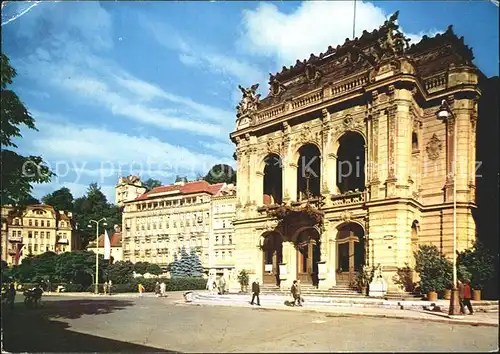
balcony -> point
(15, 238)
(62, 240)
(348, 198)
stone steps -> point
(357, 301)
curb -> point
(349, 314)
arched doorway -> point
(350, 252)
(351, 163)
(308, 172)
(272, 249)
(308, 255)
(273, 180)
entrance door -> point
(272, 257)
(350, 253)
(308, 256)
(271, 271)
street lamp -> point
(445, 113)
(97, 250)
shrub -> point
(404, 278)
(478, 262)
(243, 277)
(434, 269)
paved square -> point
(152, 324)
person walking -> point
(467, 297)
(11, 296)
(163, 288)
(110, 286)
(140, 288)
(157, 289)
(105, 287)
(296, 293)
(255, 291)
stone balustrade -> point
(348, 198)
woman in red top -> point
(468, 297)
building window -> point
(29, 249)
(16, 221)
(63, 224)
(230, 254)
(48, 234)
(223, 240)
(19, 233)
(42, 223)
(36, 248)
(42, 234)
(48, 223)
(216, 240)
(13, 234)
(223, 255)
(30, 222)
(36, 222)
(230, 239)
(216, 254)
(36, 234)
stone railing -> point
(312, 98)
(270, 114)
(307, 100)
(436, 82)
(350, 85)
(348, 198)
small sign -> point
(268, 267)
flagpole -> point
(354, 22)
(97, 250)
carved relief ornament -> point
(433, 147)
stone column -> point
(288, 272)
(290, 181)
(391, 151)
(327, 280)
(374, 179)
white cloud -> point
(203, 56)
(73, 151)
(311, 28)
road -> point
(151, 324)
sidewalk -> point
(348, 310)
(170, 294)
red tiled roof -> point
(115, 240)
(187, 188)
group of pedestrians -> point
(107, 287)
(160, 289)
(295, 291)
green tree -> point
(152, 183)
(153, 269)
(18, 172)
(121, 272)
(79, 267)
(478, 262)
(434, 269)
(94, 206)
(181, 179)
(61, 199)
(187, 265)
(29, 200)
(221, 173)
(141, 267)
(44, 266)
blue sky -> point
(150, 87)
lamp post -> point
(445, 113)
(97, 250)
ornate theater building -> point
(346, 163)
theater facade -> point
(345, 163)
